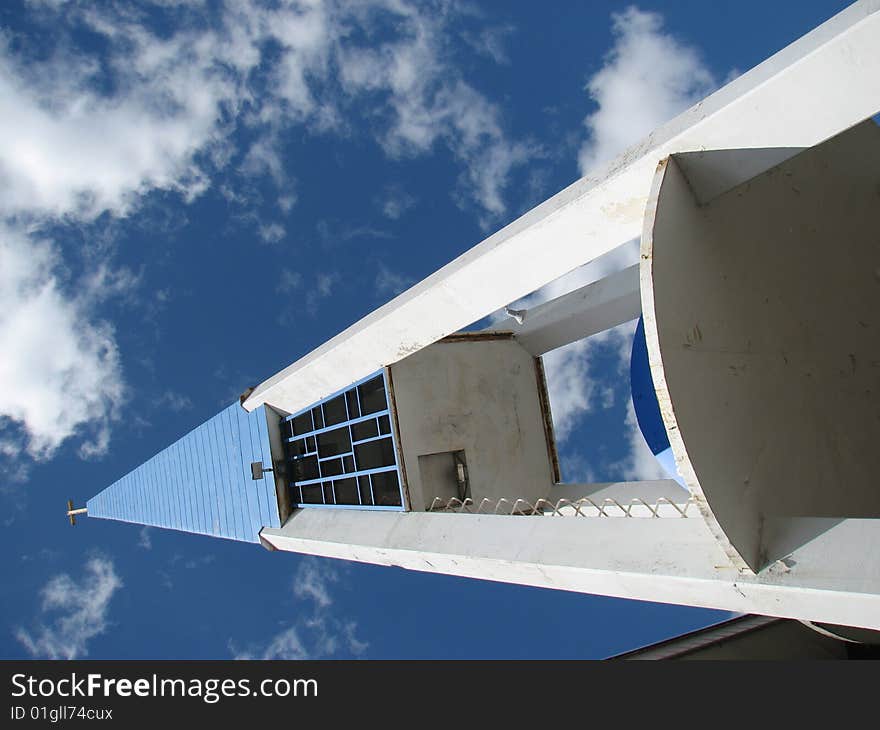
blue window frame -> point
(341, 451)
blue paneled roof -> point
(201, 483)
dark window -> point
(298, 448)
(386, 489)
(318, 417)
(374, 454)
(306, 468)
(346, 491)
(364, 489)
(302, 423)
(364, 430)
(334, 411)
(353, 410)
(330, 458)
(384, 425)
(334, 442)
(312, 494)
(372, 395)
(331, 468)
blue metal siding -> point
(202, 482)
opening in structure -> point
(341, 451)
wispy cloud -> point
(84, 135)
(647, 78)
(321, 289)
(72, 612)
(288, 281)
(426, 101)
(395, 201)
(317, 632)
(145, 539)
(173, 401)
(390, 283)
(272, 232)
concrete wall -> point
(480, 397)
(761, 317)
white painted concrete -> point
(761, 317)
(591, 309)
(816, 87)
(666, 560)
(480, 397)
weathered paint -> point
(477, 396)
(760, 321)
(202, 482)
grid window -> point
(342, 450)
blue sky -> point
(192, 196)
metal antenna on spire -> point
(72, 513)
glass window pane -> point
(372, 394)
(305, 468)
(364, 430)
(353, 410)
(346, 491)
(298, 448)
(312, 494)
(364, 489)
(384, 425)
(386, 488)
(373, 454)
(334, 442)
(318, 417)
(334, 411)
(331, 468)
(302, 423)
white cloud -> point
(72, 612)
(272, 233)
(390, 283)
(314, 634)
(60, 373)
(313, 581)
(647, 79)
(145, 540)
(76, 149)
(322, 288)
(426, 101)
(395, 201)
(639, 462)
(173, 401)
(84, 135)
(288, 281)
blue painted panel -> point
(644, 397)
(202, 482)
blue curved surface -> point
(647, 408)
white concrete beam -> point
(818, 86)
(674, 560)
(587, 311)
